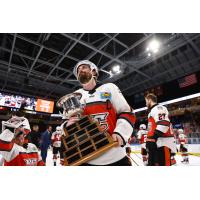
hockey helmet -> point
(180, 131)
(85, 62)
(58, 129)
(143, 126)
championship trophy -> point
(85, 139)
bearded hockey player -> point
(160, 139)
(142, 136)
(183, 146)
(56, 144)
(12, 146)
(105, 103)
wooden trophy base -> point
(84, 141)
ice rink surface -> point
(136, 157)
(193, 149)
(194, 160)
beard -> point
(148, 105)
(84, 77)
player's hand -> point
(72, 120)
(117, 138)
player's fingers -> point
(72, 120)
(114, 137)
(119, 140)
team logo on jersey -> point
(105, 95)
(31, 162)
(101, 119)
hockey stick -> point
(132, 160)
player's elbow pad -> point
(6, 146)
(124, 128)
(128, 116)
(6, 138)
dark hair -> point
(151, 96)
(48, 126)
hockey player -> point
(56, 144)
(183, 146)
(12, 147)
(142, 136)
(160, 139)
(106, 104)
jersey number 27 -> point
(161, 116)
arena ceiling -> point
(41, 64)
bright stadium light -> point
(154, 46)
(116, 69)
(149, 54)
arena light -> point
(56, 115)
(116, 69)
(149, 54)
(154, 46)
(171, 101)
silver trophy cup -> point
(71, 105)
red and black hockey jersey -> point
(142, 136)
(158, 122)
(106, 104)
(15, 155)
(56, 139)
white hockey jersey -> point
(142, 136)
(106, 104)
(182, 139)
(158, 120)
(56, 139)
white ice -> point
(137, 158)
(192, 148)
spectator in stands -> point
(45, 142)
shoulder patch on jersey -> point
(160, 107)
(105, 95)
